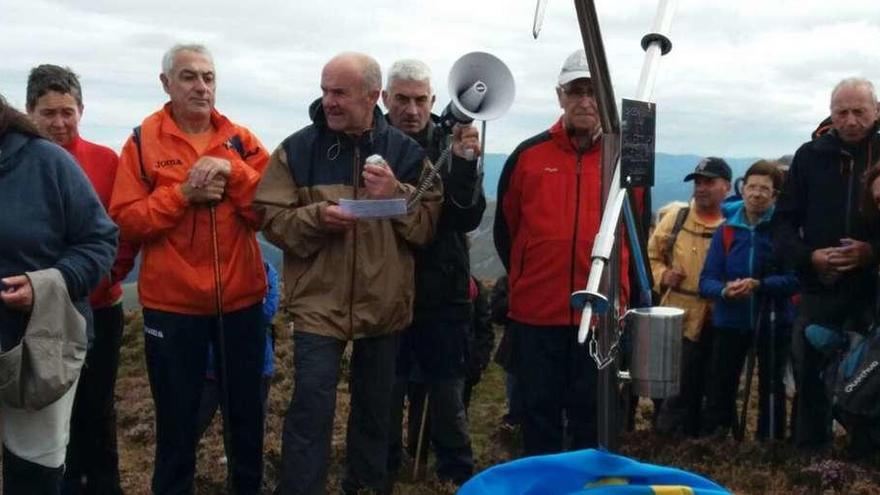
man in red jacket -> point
(548, 214)
(54, 103)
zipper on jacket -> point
(849, 198)
(577, 209)
(354, 183)
(752, 317)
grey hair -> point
(168, 58)
(855, 82)
(370, 72)
(409, 69)
(48, 77)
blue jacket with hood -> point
(51, 218)
(749, 254)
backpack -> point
(852, 381)
(680, 218)
(234, 141)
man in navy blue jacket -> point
(819, 228)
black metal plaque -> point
(637, 143)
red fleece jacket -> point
(100, 163)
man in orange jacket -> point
(184, 189)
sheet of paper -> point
(374, 208)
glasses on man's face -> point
(579, 90)
(758, 189)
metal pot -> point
(655, 334)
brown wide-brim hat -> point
(48, 359)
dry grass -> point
(748, 467)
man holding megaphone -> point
(434, 350)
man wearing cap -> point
(677, 250)
(549, 211)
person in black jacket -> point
(481, 339)
(819, 228)
(500, 305)
(432, 363)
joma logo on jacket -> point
(168, 163)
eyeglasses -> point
(578, 90)
(759, 189)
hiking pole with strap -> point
(771, 366)
(423, 422)
(739, 429)
(221, 340)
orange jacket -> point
(177, 268)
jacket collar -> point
(316, 112)
(737, 217)
(559, 136)
(72, 146)
(828, 141)
(428, 135)
(223, 126)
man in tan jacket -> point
(345, 278)
(677, 250)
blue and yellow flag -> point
(587, 472)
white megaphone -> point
(481, 88)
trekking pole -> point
(740, 426)
(422, 423)
(665, 296)
(739, 429)
(771, 423)
(221, 346)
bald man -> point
(346, 279)
(820, 229)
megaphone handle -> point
(482, 154)
(478, 180)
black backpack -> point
(852, 381)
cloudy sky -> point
(745, 78)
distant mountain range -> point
(670, 171)
(668, 186)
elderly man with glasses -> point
(549, 210)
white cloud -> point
(746, 78)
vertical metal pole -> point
(606, 382)
(607, 393)
(605, 250)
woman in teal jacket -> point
(751, 293)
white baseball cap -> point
(574, 67)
